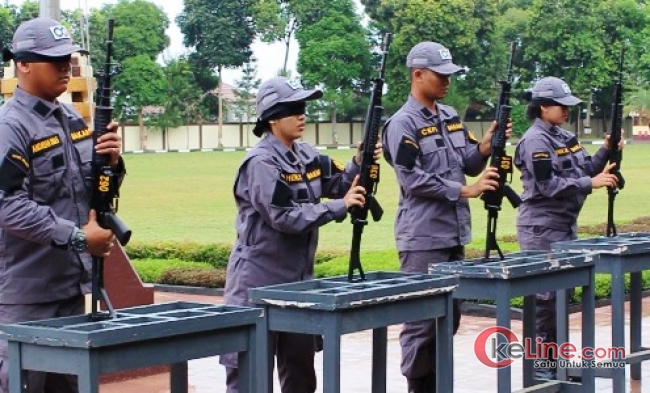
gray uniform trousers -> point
(418, 339)
(295, 357)
(534, 238)
(37, 381)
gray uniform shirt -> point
(278, 193)
(45, 192)
(431, 155)
(556, 173)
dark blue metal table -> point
(170, 333)
(526, 274)
(625, 253)
(333, 307)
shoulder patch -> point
(340, 167)
(13, 170)
(542, 165)
(282, 195)
(407, 153)
(44, 144)
(472, 138)
(18, 159)
(541, 155)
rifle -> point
(615, 155)
(105, 188)
(369, 168)
(500, 160)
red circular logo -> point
(481, 341)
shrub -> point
(151, 270)
(194, 277)
(216, 254)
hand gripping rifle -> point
(500, 160)
(105, 187)
(369, 168)
(615, 155)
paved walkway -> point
(207, 376)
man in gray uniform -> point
(47, 232)
(557, 175)
(432, 151)
(277, 191)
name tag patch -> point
(45, 144)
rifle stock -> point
(615, 155)
(105, 188)
(369, 169)
(502, 161)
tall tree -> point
(276, 21)
(466, 27)
(182, 98)
(335, 55)
(140, 83)
(221, 33)
(140, 27)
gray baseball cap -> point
(45, 37)
(282, 90)
(433, 56)
(554, 89)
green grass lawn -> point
(188, 196)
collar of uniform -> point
(553, 130)
(443, 112)
(42, 108)
(421, 109)
(286, 153)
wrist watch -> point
(78, 241)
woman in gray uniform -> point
(278, 190)
(557, 175)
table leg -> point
(635, 321)
(265, 350)
(618, 320)
(379, 358)
(529, 332)
(444, 356)
(562, 328)
(589, 330)
(88, 378)
(178, 377)
(504, 381)
(16, 380)
(332, 356)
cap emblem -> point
(294, 84)
(445, 54)
(59, 33)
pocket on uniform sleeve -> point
(542, 165)
(282, 194)
(407, 153)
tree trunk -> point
(143, 135)
(286, 55)
(219, 135)
(335, 135)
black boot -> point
(426, 384)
